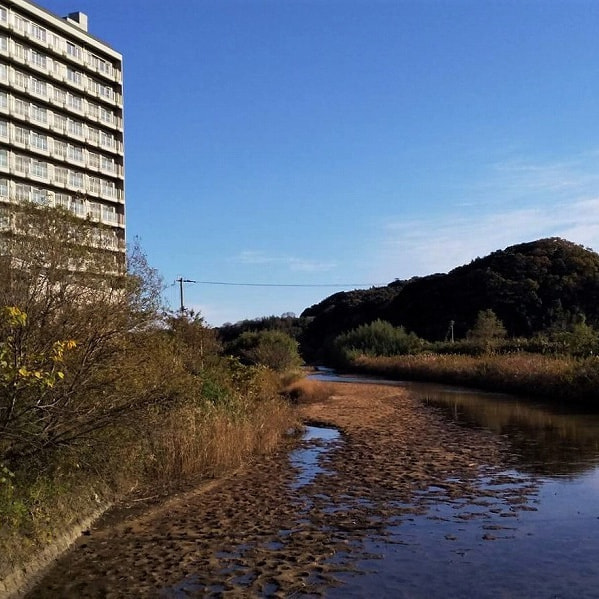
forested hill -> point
(531, 287)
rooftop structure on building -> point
(61, 118)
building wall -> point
(61, 117)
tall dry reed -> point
(198, 441)
(550, 377)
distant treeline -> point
(543, 294)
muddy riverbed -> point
(385, 496)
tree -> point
(378, 338)
(64, 287)
(487, 331)
(275, 349)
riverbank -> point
(186, 445)
(260, 532)
(556, 378)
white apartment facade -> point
(61, 118)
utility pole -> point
(181, 280)
(450, 331)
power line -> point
(181, 280)
(285, 284)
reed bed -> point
(563, 378)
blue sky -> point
(316, 142)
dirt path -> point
(256, 533)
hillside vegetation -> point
(536, 287)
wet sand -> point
(259, 532)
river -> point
(549, 550)
(420, 492)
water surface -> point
(547, 548)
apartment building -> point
(61, 119)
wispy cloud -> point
(520, 179)
(293, 263)
(520, 201)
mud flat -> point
(279, 528)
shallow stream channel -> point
(545, 544)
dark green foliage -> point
(287, 323)
(275, 349)
(342, 312)
(531, 287)
(379, 338)
(487, 331)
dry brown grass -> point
(551, 377)
(195, 441)
(307, 390)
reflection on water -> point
(306, 459)
(545, 440)
(544, 546)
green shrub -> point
(379, 338)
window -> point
(22, 192)
(62, 200)
(107, 189)
(60, 175)
(75, 179)
(19, 51)
(76, 128)
(75, 153)
(107, 164)
(21, 136)
(92, 111)
(94, 185)
(3, 158)
(106, 91)
(3, 14)
(73, 50)
(95, 210)
(3, 100)
(39, 196)
(75, 102)
(20, 80)
(104, 67)
(39, 141)
(106, 140)
(74, 76)
(21, 164)
(4, 188)
(39, 87)
(93, 160)
(60, 96)
(109, 214)
(39, 169)
(3, 129)
(38, 59)
(78, 206)
(39, 33)
(106, 115)
(39, 114)
(21, 108)
(93, 135)
(60, 148)
(53, 40)
(59, 121)
(21, 24)
(3, 72)
(3, 43)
